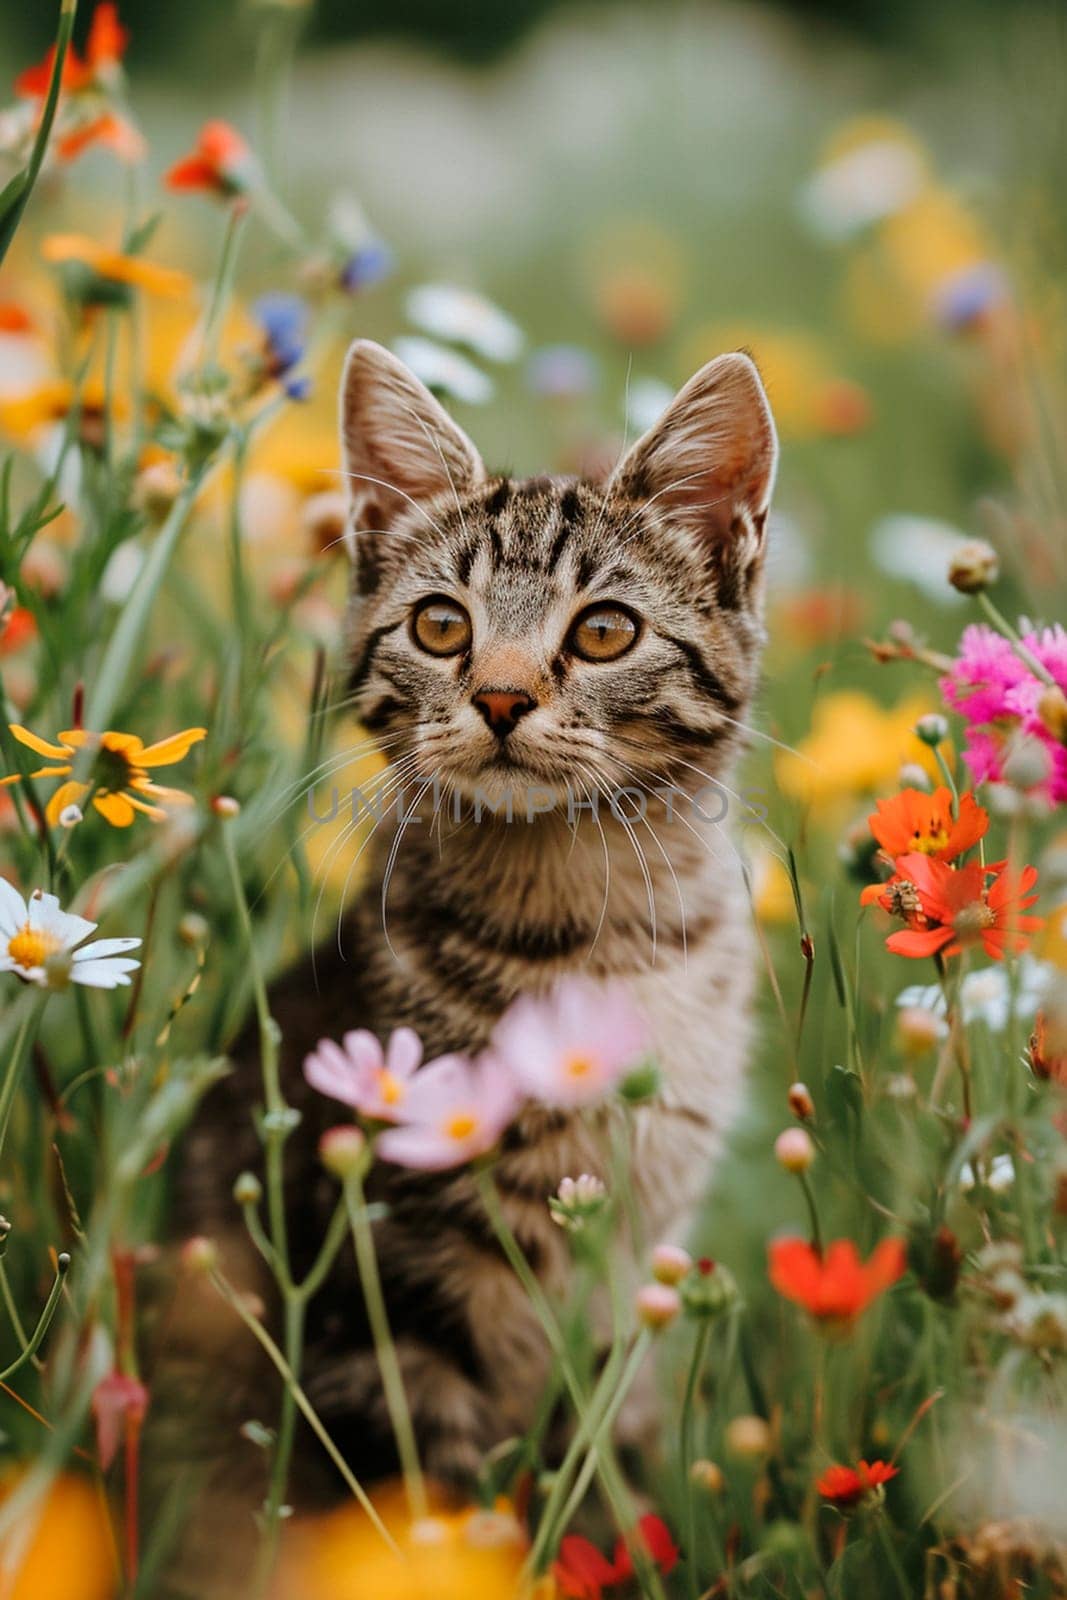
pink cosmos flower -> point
(998, 695)
(573, 1045)
(456, 1109)
(359, 1073)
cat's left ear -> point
(708, 464)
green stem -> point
(20, 1050)
(303, 1404)
(223, 285)
(133, 619)
(700, 1352)
(44, 1321)
(1025, 654)
(385, 1347)
(20, 195)
(813, 1213)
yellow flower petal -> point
(114, 808)
(155, 812)
(158, 791)
(42, 747)
(173, 749)
(134, 270)
(68, 794)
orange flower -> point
(110, 130)
(104, 50)
(914, 821)
(118, 778)
(18, 629)
(847, 1486)
(1048, 1049)
(63, 249)
(949, 908)
(222, 164)
(834, 1286)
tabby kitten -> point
(508, 635)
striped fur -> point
(472, 915)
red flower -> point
(948, 908)
(222, 164)
(834, 1286)
(847, 1486)
(912, 821)
(582, 1573)
(104, 50)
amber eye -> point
(441, 626)
(603, 633)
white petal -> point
(103, 974)
(104, 947)
(45, 916)
(13, 911)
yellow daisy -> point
(131, 271)
(118, 778)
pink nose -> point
(502, 708)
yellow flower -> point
(118, 777)
(855, 747)
(449, 1555)
(135, 271)
(1052, 945)
(772, 889)
(61, 1548)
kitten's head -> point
(506, 633)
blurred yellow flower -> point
(61, 1550)
(466, 1555)
(855, 747)
(810, 399)
(1052, 943)
(63, 248)
(772, 890)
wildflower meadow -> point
(859, 1358)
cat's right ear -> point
(399, 446)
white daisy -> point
(861, 187)
(444, 371)
(987, 994)
(463, 317)
(918, 550)
(42, 944)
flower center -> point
(971, 922)
(932, 843)
(579, 1066)
(390, 1089)
(461, 1125)
(31, 947)
(111, 770)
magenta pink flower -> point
(360, 1074)
(998, 695)
(118, 1403)
(573, 1045)
(455, 1109)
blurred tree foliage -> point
(473, 30)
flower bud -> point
(707, 1475)
(641, 1084)
(225, 806)
(342, 1150)
(670, 1263)
(932, 730)
(199, 1254)
(194, 930)
(709, 1290)
(657, 1306)
(1027, 765)
(576, 1201)
(156, 488)
(800, 1102)
(973, 566)
(748, 1438)
(1052, 709)
(247, 1190)
(919, 1029)
(912, 776)
(794, 1151)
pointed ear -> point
(708, 464)
(398, 444)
